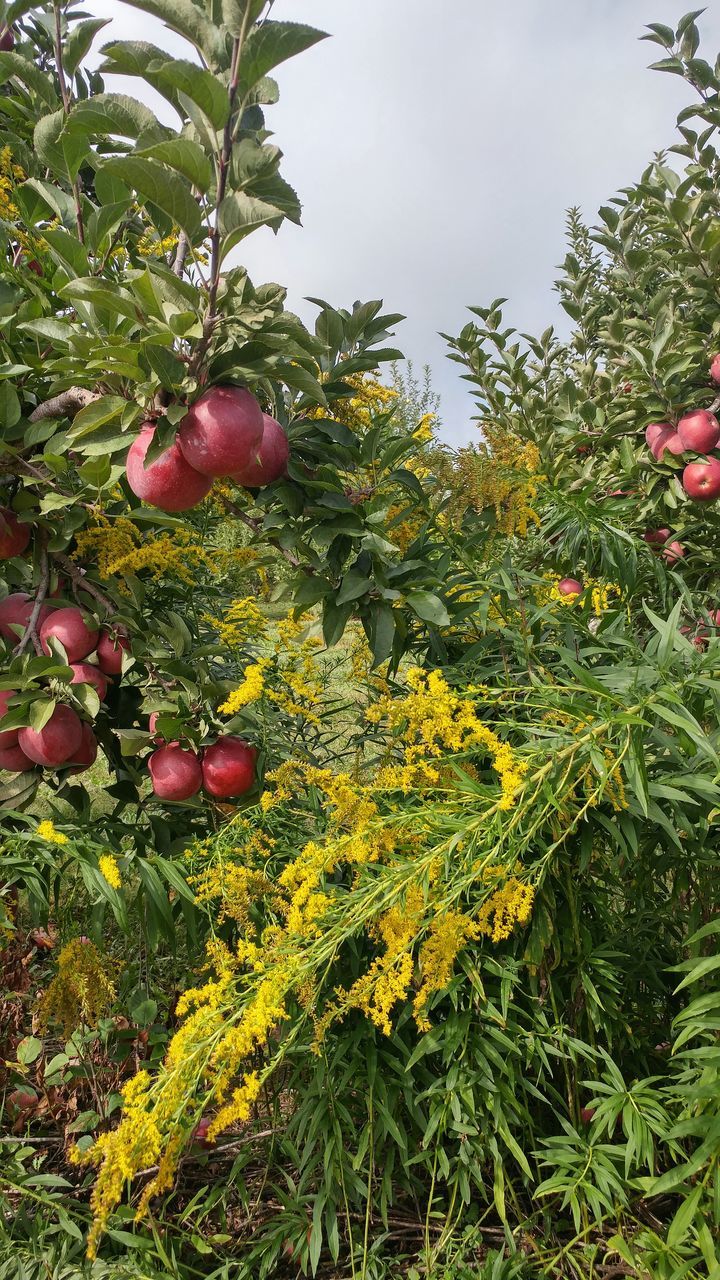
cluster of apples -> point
(696, 432)
(224, 434)
(65, 741)
(225, 770)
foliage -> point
(439, 995)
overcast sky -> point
(436, 147)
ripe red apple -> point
(656, 537)
(7, 40)
(14, 536)
(15, 611)
(86, 753)
(661, 436)
(221, 430)
(269, 459)
(169, 483)
(674, 552)
(56, 742)
(111, 647)
(88, 673)
(699, 431)
(228, 767)
(697, 635)
(701, 480)
(14, 760)
(200, 1132)
(570, 586)
(73, 628)
(176, 773)
(8, 737)
(715, 368)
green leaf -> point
(682, 1221)
(9, 406)
(295, 375)
(235, 13)
(115, 113)
(60, 151)
(200, 86)
(185, 157)
(188, 20)
(429, 607)
(41, 710)
(96, 414)
(241, 214)
(78, 42)
(13, 64)
(161, 186)
(29, 1050)
(100, 293)
(60, 202)
(271, 44)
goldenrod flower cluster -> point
(434, 719)
(46, 831)
(507, 906)
(150, 245)
(110, 870)
(501, 474)
(121, 551)
(448, 934)
(358, 412)
(82, 990)
(241, 622)
(388, 979)
(250, 690)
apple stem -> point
(30, 632)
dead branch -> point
(81, 583)
(66, 404)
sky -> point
(437, 146)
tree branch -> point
(256, 526)
(30, 632)
(65, 404)
(65, 94)
(181, 253)
(80, 582)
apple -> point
(269, 460)
(14, 536)
(221, 431)
(14, 760)
(656, 537)
(56, 742)
(699, 431)
(88, 673)
(15, 611)
(697, 636)
(74, 629)
(586, 1114)
(7, 40)
(701, 480)
(176, 773)
(34, 265)
(661, 436)
(169, 483)
(228, 767)
(110, 650)
(8, 737)
(200, 1132)
(570, 586)
(86, 753)
(675, 551)
(715, 368)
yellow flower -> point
(249, 691)
(46, 831)
(82, 989)
(110, 871)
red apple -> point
(73, 628)
(697, 635)
(14, 536)
(88, 673)
(701, 480)
(586, 1114)
(675, 551)
(221, 431)
(110, 650)
(656, 537)
(8, 737)
(715, 368)
(200, 1132)
(176, 773)
(7, 40)
(699, 431)
(661, 436)
(86, 753)
(269, 460)
(169, 483)
(56, 742)
(228, 767)
(14, 760)
(570, 586)
(15, 611)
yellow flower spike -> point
(46, 831)
(110, 871)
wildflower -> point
(249, 691)
(447, 935)
(506, 907)
(82, 990)
(110, 871)
(46, 831)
